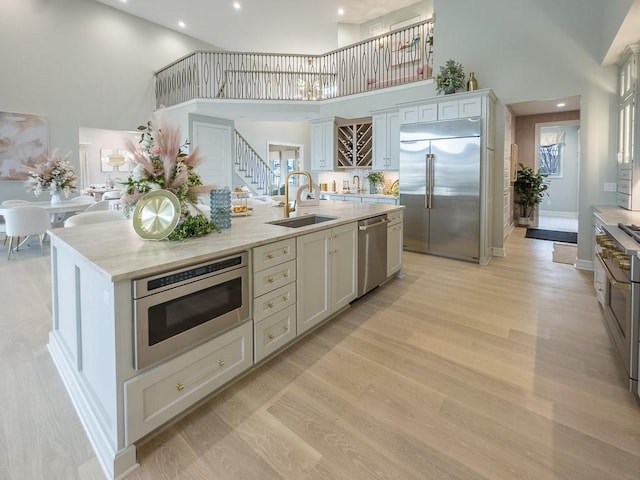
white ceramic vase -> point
(55, 198)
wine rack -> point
(354, 146)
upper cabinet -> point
(479, 103)
(354, 143)
(628, 130)
(443, 108)
(322, 144)
(386, 140)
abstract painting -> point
(24, 142)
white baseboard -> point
(584, 265)
(548, 213)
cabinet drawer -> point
(624, 201)
(274, 301)
(275, 253)
(624, 186)
(394, 217)
(274, 277)
(273, 332)
(470, 107)
(154, 397)
(624, 173)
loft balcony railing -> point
(395, 58)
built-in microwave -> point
(178, 310)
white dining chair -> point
(25, 221)
(3, 226)
(98, 206)
(86, 218)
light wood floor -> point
(455, 372)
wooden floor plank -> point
(456, 371)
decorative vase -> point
(449, 90)
(373, 188)
(55, 197)
(220, 199)
(472, 84)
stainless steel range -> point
(616, 254)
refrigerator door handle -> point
(429, 176)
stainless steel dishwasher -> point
(372, 253)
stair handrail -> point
(253, 166)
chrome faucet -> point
(287, 209)
(356, 177)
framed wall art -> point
(24, 143)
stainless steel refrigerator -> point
(440, 187)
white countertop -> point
(116, 250)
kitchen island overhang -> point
(92, 337)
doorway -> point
(527, 121)
(558, 155)
(284, 158)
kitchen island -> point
(298, 279)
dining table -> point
(58, 211)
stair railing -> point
(250, 165)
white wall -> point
(540, 49)
(82, 64)
(259, 133)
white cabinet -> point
(274, 296)
(386, 141)
(154, 397)
(394, 242)
(323, 145)
(327, 273)
(450, 107)
(628, 129)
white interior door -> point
(214, 142)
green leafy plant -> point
(193, 226)
(530, 187)
(450, 78)
(377, 178)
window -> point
(550, 160)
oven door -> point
(180, 318)
(619, 313)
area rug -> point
(565, 253)
(552, 235)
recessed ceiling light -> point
(341, 11)
(123, 1)
(236, 5)
(181, 24)
(561, 104)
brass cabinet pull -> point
(180, 387)
(221, 363)
(285, 328)
(285, 297)
(285, 274)
(285, 251)
(271, 336)
(269, 256)
(269, 305)
(270, 280)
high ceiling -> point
(277, 26)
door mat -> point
(552, 235)
(565, 253)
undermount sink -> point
(303, 221)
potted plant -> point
(530, 187)
(450, 78)
(375, 179)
